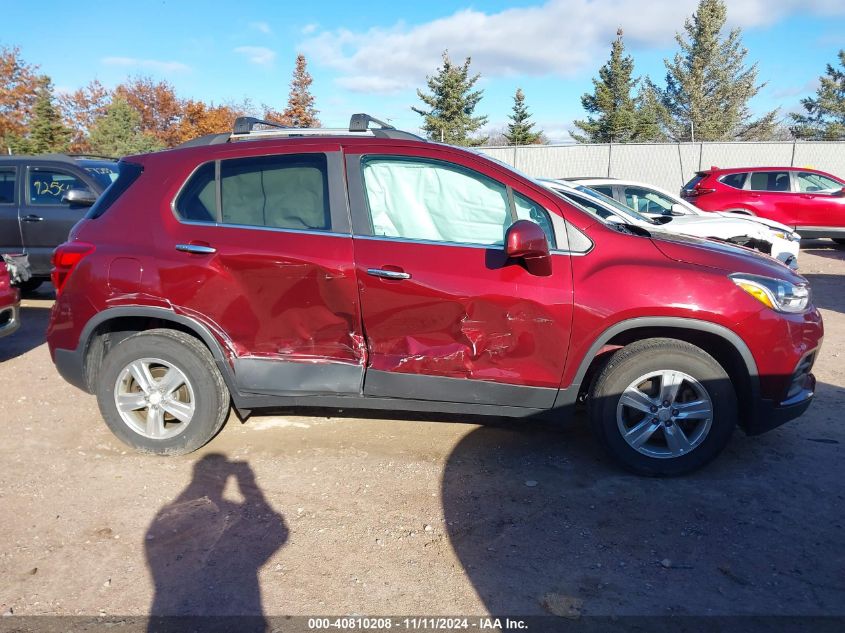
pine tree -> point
(118, 132)
(825, 117)
(47, 131)
(451, 104)
(300, 111)
(611, 101)
(708, 85)
(519, 131)
(652, 116)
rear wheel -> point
(161, 392)
(663, 407)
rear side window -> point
(608, 191)
(284, 192)
(769, 181)
(737, 181)
(7, 185)
(127, 174)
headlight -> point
(776, 294)
(789, 237)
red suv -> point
(368, 268)
(9, 302)
(813, 202)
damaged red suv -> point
(368, 268)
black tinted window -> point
(608, 191)
(770, 181)
(289, 192)
(695, 180)
(198, 202)
(127, 173)
(735, 180)
(7, 185)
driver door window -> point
(48, 186)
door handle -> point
(32, 218)
(196, 249)
(388, 274)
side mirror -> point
(525, 240)
(840, 193)
(677, 209)
(80, 197)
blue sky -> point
(372, 59)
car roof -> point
(60, 158)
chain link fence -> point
(667, 165)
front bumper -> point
(10, 319)
(770, 415)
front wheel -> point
(161, 392)
(663, 407)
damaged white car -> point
(677, 216)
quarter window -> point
(737, 181)
(7, 185)
(808, 181)
(48, 186)
(770, 181)
(434, 201)
(283, 192)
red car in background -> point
(9, 303)
(812, 201)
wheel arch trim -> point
(568, 395)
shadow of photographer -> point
(204, 551)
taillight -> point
(698, 190)
(65, 259)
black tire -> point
(839, 240)
(30, 285)
(639, 359)
(192, 358)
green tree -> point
(48, 133)
(708, 85)
(519, 130)
(611, 103)
(451, 104)
(825, 114)
(652, 116)
(118, 132)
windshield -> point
(104, 171)
(622, 211)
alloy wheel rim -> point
(154, 398)
(664, 414)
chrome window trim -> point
(405, 240)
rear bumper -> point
(70, 364)
(10, 319)
(771, 415)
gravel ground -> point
(322, 512)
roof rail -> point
(359, 125)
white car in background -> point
(677, 216)
(736, 230)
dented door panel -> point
(465, 312)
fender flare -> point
(567, 396)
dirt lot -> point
(338, 514)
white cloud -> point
(310, 28)
(259, 55)
(807, 89)
(558, 38)
(261, 27)
(147, 64)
